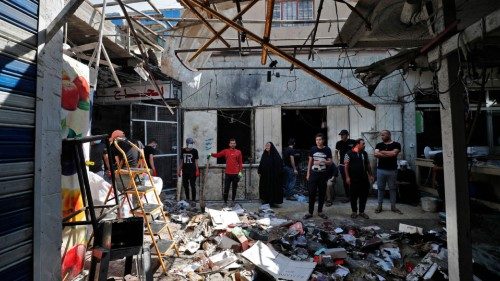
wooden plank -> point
(275, 125)
(56, 24)
(267, 128)
(337, 119)
(83, 48)
(259, 133)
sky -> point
(160, 4)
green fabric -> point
(419, 122)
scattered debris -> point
(278, 265)
(234, 244)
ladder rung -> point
(140, 189)
(164, 245)
(133, 171)
(147, 208)
(157, 226)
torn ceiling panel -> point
(387, 29)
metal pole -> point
(93, 81)
(315, 29)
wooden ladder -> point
(153, 226)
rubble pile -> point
(234, 244)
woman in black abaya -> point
(270, 172)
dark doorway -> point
(234, 124)
(303, 125)
(107, 118)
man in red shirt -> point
(234, 166)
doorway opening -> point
(303, 125)
(234, 124)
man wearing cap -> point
(189, 169)
(387, 154)
(344, 145)
(234, 167)
(130, 152)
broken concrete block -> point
(405, 228)
(336, 253)
(278, 265)
(226, 243)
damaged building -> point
(85, 84)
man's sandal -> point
(397, 211)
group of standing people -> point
(355, 169)
(277, 175)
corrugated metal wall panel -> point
(18, 74)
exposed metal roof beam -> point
(315, 29)
(258, 48)
(472, 33)
(287, 57)
(209, 42)
(148, 17)
(210, 27)
(255, 21)
(268, 68)
(267, 29)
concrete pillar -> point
(455, 163)
(47, 233)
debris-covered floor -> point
(255, 242)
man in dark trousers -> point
(189, 169)
(234, 168)
(344, 145)
(407, 184)
(320, 158)
(149, 152)
(358, 175)
(291, 162)
(387, 154)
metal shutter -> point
(18, 44)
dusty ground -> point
(485, 229)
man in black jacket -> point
(358, 175)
